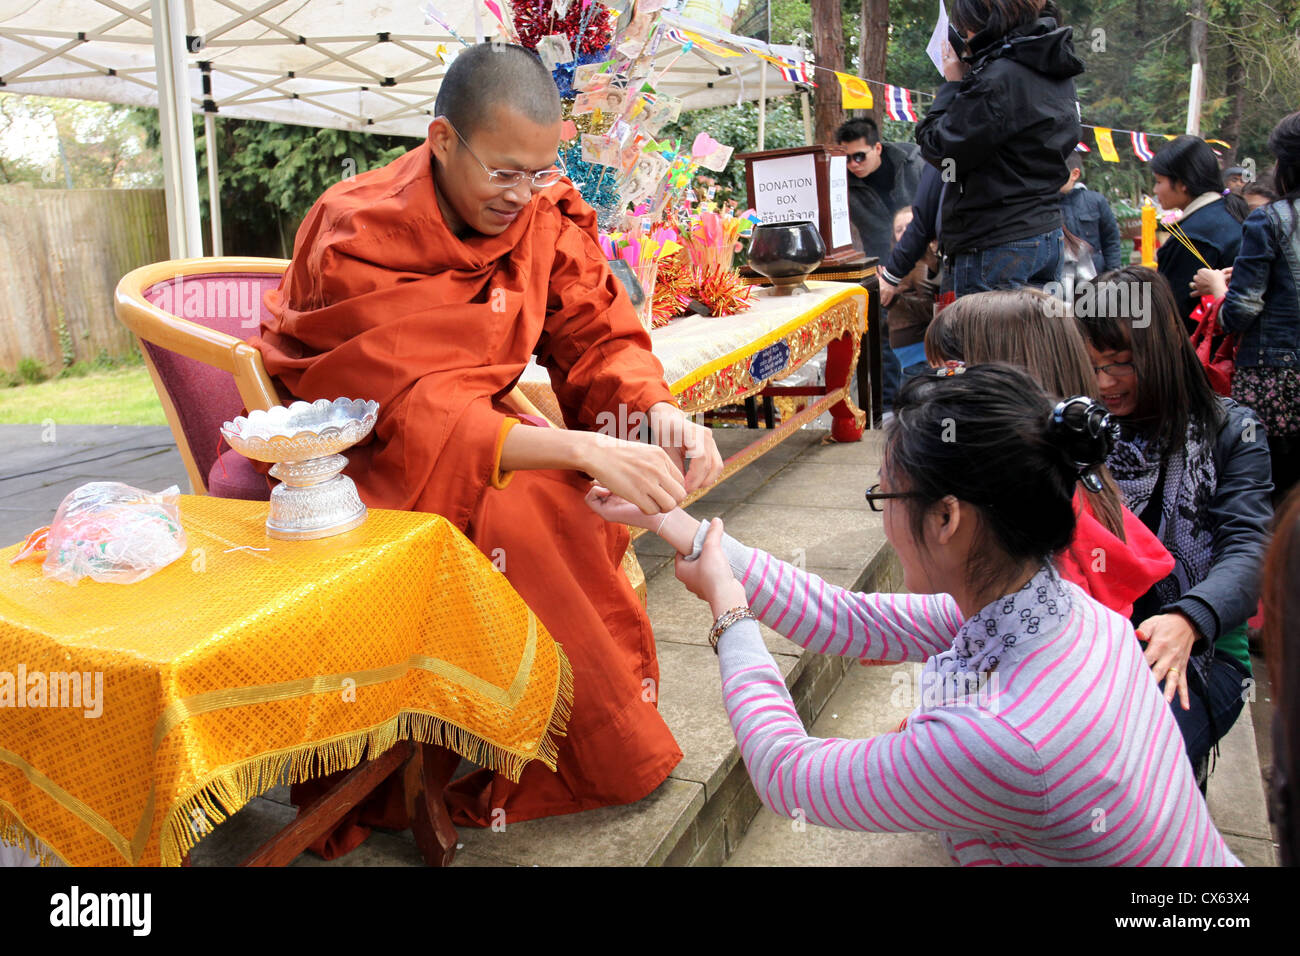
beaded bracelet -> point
(727, 618)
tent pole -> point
(762, 105)
(214, 182)
(807, 118)
(180, 171)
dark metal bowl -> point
(786, 252)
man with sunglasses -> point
(882, 179)
(427, 285)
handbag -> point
(1219, 362)
(1078, 266)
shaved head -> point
(490, 75)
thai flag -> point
(1082, 148)
(1142, 148)
(898, 104)
(677, 36)
(792, 71)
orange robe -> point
(383, 302)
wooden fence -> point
(62, 252)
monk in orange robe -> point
(427, 285)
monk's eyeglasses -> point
(506, 178)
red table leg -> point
(847, 421)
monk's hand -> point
(1169, 639)
(709, 576)
(643, 474)
(683, 439)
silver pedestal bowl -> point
(305, 440)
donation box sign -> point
(807, 183)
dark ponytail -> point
(988, 435)
(1284, 143)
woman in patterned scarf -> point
(1195, 469)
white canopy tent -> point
(363, 65)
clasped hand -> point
(655, 478)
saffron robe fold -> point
(382, 301)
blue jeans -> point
(891, 371)
(1035, 261)
(912, 358)
(1217, 695)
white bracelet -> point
(661, 522)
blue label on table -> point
(769, 361)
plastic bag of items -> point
(108, 531)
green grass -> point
(123, 396)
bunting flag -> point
(1105, 144)
(854, 92)
(1141, 148)
(687, 37)
(791, 71)
(1082, 147)
(898, 104)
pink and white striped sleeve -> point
(951, 769)
(834, 620)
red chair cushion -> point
(204, 396)
(233, 476)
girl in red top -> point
(1113, 556)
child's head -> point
(1031, 330)
(901, 219)
(1023, 327)
(986, 474)
(1147, 371)
(996, 18)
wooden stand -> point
(426, 770)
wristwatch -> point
(725, 621)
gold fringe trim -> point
(229, 789)
(16, 833)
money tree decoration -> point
(587, 26)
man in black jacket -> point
(999, 132)
(1088, 216)
(882, 179)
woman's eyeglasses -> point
(875, 496)
(1114, 369)
(506, 178)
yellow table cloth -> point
(232, 670)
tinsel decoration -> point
(534, 21)
(584, 121)
(672, 289)
(722, 290)
(564, 72)
(597, 184)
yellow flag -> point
(708, 45)
(854, 92)
(1105, 144)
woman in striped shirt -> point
(1041, 737)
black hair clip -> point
(1086, 433)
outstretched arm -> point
(801, 606)
(952, 768)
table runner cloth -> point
(705, 357)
